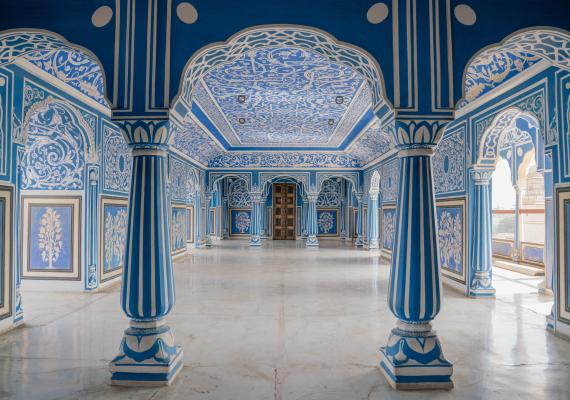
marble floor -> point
(285, 322)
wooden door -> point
(284, 211)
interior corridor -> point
(284, 322)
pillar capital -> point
(411, 131)
(146, 133)
(256, 197)
(374, 194)
(481, 176)
(312, 197)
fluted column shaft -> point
(209, 222)
(482, 254)
(359, 222)
(312, 227)
(255, 239)
(373, 220)
(342, 217)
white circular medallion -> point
(187, 13)
(465, 14)
(377, 13)
(102, 16)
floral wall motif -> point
(389, 178)
(388, 226)
(448, 162)
(117, 161)
(240, 222)
(183, 183)
(72, 68)
(327, 222)
(52, 237)
(330, 194)
(491, 69)
(178, 229)
(115, 231)
(238, 195)
(450, 236)
(55, 150)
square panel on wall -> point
(51, 232)
(240, 222)
(178, 228)
(452, 238)
(6, 196)
(190, 224)
(387, 227)
(327, 222)
(112, 237)
(563, 245)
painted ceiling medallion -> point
(285, 95)
(102, 16)
(465, 14)
(187, 13)
(377, 13)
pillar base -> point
(482, 285)
(147, 356)
(209, 242)
(413, 359)
(359, 242)
(312, 241)
(255, 241)
(551, 321)
(373, 244)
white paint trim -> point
(64, 87)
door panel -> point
(284, 211)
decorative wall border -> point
(6, 257)
(76, 218)
(114, 273)
(182, 249)
(190, 236)
(563, 261)
(446, 272)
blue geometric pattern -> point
(373, 143)
(284, 96)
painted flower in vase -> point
(242, 221)
(326, 222)
(50, 237)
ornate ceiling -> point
(285, 97)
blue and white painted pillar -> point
(342, 217)
(304, 214)
(413, 358)
(517, 239)
(209, 223)
(263, 218)
(482, 254)
(312, 227)
(255, 240)
(225, 218)
(147, 354)
(373, 220)
(92, 281)
(359, 222)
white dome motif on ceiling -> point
(286, 96)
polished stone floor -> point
(284, 322)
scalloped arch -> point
(307, 38)
(550, 44)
